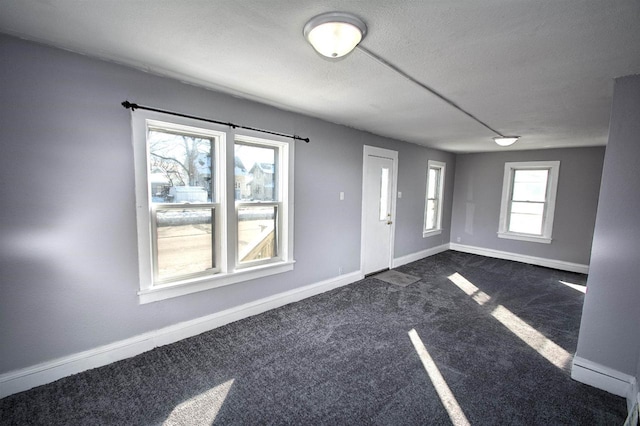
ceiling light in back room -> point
(506, 140)
(334, 34)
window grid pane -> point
(255, 172)
(257, 233)
(184, 241)
(431, 214)
(180, 167)
(526, 218)
(434, 180)
(530, 185)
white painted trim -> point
(47, 372)
(403, 260)
(633, 397)
(540, 261)
(433, 232)
(524, 237)
(601, 377)
(184, 287)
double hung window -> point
(528, 200)
(204, 221)
(183, 191)
(258, 201)
(433, 204)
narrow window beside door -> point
(433, 203)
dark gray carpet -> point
(345, 357)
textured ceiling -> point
(542, 69)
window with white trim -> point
(528, 200)
(204, 222)
(258, 201)
(434, 196)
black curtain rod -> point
(133, 107)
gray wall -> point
(610, 329)
(478, 192)
(68, 251)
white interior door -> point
(378, 207)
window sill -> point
(431, 233)
(182, 288)
(525, 237)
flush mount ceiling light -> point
(506, 140)
(334, 34)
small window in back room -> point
(528, 200)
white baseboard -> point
(47, 372)
(540, 261)
(633, 398)
(601, 377)
(403, 260)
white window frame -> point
(432, 164)
(550, 201)
(226, 272)
(281, 201)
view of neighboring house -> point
(242, 179)
(263, 183)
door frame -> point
(393, 155)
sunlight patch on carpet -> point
(201, 409)
(529, 335)
(449, 401)
(580, 288)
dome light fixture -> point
(506, 140)
(334, 34)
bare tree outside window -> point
(179, 160)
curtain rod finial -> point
(129, 105)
